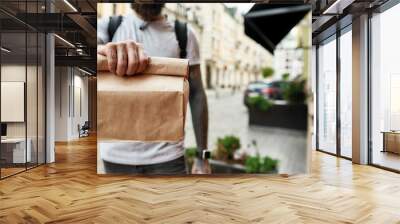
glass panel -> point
(33, 42)
(327, 97)
(31, 98)
(13, 89)
(386, 89)
(41, 99)
(22, 88)
(346, 94)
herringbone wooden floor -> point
(70, 191)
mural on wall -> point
(148, 123)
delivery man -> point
(127, 42)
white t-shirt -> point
(158, 39)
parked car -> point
(271, 90)
(254, 89)
(275, 90)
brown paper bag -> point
(145, 107)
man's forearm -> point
(199, 108)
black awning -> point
(268, 24)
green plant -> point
(259, 102)
(267, 72)
(190, 154)
(258, 164)
(252, 164)
(226, 147)
(269, 165)
(285, 77)
(294, 92)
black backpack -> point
(180, 32)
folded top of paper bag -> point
(157, 66)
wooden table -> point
(391, 141)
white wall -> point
(12, 73)
(61, 103)
(80, 105)
(71, 94)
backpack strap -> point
(113, 25)
(181, 36)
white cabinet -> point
(19, 155)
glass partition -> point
(327, 96)
(35, 88)
(14, 144)
(346, 93)
(41, 97)
(22, 89)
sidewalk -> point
(228, 116)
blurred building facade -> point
(288, 58)
(291, 55)
(229, 59)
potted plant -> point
(291, 113)
(226, 147)
(223, 157)
(294, 92)
(259, 164)
(259, 102)
(190, 154)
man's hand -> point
(124, 58)
(201, 166)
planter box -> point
(222, 167)
(291, 116)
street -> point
(228, 116)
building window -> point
(346, 94)
(327, 96)
(385, 89)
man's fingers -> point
(124, 58)
(133, 59)
(101, 49)
(143, 60)
(111, 54)
(122, 62)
